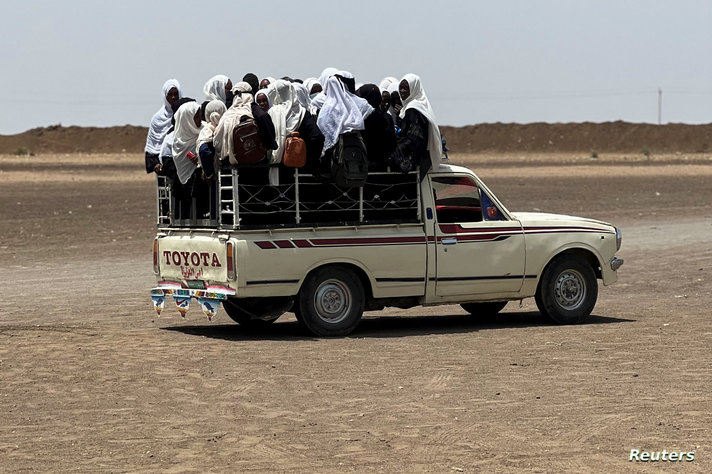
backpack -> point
(349, 166)
(295, 151)
(247, 144)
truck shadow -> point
(388, 326)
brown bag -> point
(247, 144)
(295, 151)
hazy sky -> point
(94, 62)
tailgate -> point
(192, 258)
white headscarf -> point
(231, 118)
(320, 98)
(386, 82)
(287, 114)
(214, 89)
(302, 95)
(161, 121)
(417, 100)
(213, 112)
(342, 112)
(266, 93)
(184, 140)
(310, 82)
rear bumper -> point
(209, 298)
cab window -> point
(457, 199)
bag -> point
(349, 167)
(295, 151)
(247, 144)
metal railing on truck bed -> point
(305, 200)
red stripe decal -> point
(266, 244)
(302, 244)
(370, 240)
(284, 244)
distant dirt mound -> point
(58, 139)
(608, 137)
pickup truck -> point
(329, 254)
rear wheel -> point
(331, 302)
(568, 290)
(485, 309)
(256, 313)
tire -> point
(488, 308)
(568, 290)
(256, 313)
(331, 302)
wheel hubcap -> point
(332, 301)
(570, 289)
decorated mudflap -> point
(208, 299)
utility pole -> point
(660, 106)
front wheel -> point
(331, 302)
(568, 290)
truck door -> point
(478, 250)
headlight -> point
(619, 238)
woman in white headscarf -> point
(218, 88)
(386, 82)
(185, 156)
(205, 146)
(303, 97)
(288, 116)
(184, 140)
(263, 100)
(241, 109)
(313, 86)
(319, 99)
(342, 112)
(419, 143)
(160, 125)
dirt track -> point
(91, 380)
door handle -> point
(449, 241)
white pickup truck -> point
(329, 254)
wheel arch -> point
(582, 253)
(353, 266)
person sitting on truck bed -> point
(395, 106)
(342, 112)
(219, 88)
(419, 143)
(252, 80)
(185, 155)
(239, 111)
(206, 149)
(379, 134)
(289, 116)
(160, 126)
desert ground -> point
(91, 380)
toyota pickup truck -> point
(329, 254)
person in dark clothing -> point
(314, 140)
(419, 143)
(379, 134)
(253, 81)
(265, 126)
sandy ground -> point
(91, 380)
